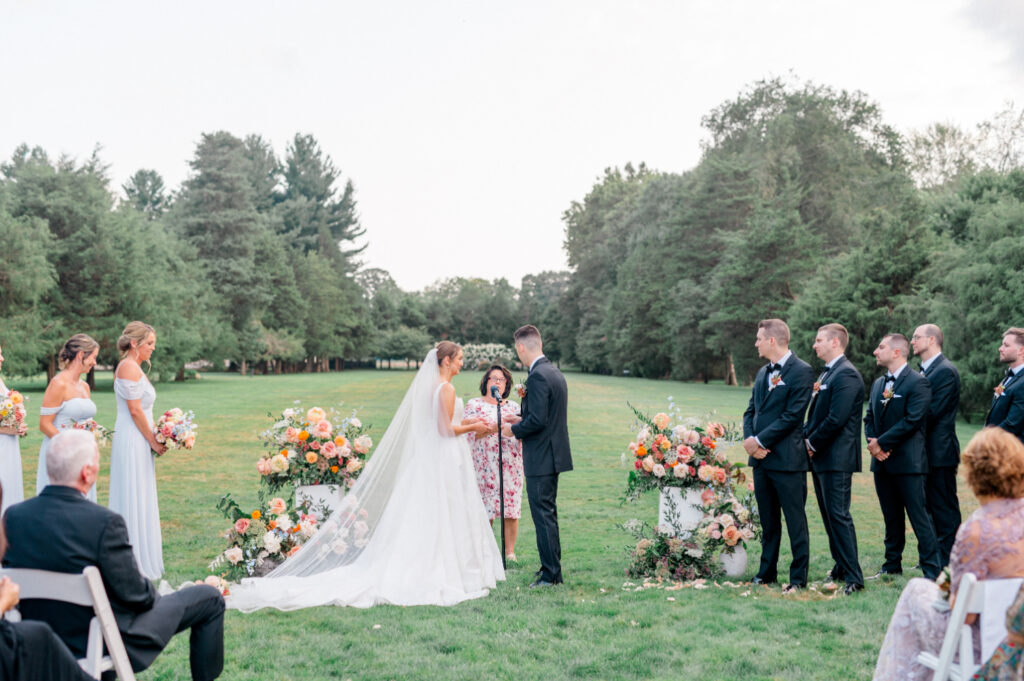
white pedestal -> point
(735, 563)
(679, 511)
(323, 499)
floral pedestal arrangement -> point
(680, 511)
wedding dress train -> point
(411, 531)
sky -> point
(469, 128)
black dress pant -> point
(30, 651)
(199, 608)
(542, 491)
(832, 490)
(905, 493)
(781, 493)
(944, 507)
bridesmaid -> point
(67, 398)
(10, 456)
(132, 469)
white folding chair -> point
(989, 599)
(84, 589)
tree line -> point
(805, 205)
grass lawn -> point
(590, 628)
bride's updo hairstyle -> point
(80, 342)
(447, 349)
(135, 331)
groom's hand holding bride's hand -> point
(478, 427)
(512, 419)
(506, 430)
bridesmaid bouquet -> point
(176, 429)
(313, 447)
(101, 434)
(12, 410)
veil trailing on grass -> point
(413, 433)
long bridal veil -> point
(413, 433)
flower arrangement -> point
(102, 435)
(661, 555)
(176, 429)
(313, 447)
(482, 355)
(260, 540)
(12, 410)
(729, 522)
(666, 453)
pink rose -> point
(291, 434)
(637, 464)
(715, 534)
(691, 437)
(277, 506)
(648, 463)
(314, 445)
(750, 485)
(241, 525)
(323, 429)
(720, 475)
(263, 466)
(707, 496)
(706, 441)
(329, 449)
(684, 453)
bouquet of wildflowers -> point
(102, 435)
(176, 429)
(12, 410)
(314, 447)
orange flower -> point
(311, 457)
(295, 529)
(284, 453)
(16, 397)
(641, 451)
(303, 435)
(340, 441)
(256, 514)
(334, 469)
(272, 524)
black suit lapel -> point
(822, 379)
(877, 391)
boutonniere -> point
(888, 394)
(999, 390)
(775, 381)
(521, 390)
(817, 388)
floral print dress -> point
(485, 459)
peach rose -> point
(323, 429)
(311, 457)
(291, 435)
(340, 441)
(716, 430)
(707, 496)
(353, 465)
(684, 453)
(731, 535)
(661, 421)
(362, 444)
(263, 467)
(648, 464)
(277, 506)
(329, 449)
(315, 415)
(679, 472)
(720, 475)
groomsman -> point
(832, 437)
(773, 432)
(940, 436)
(894, 426)
(1007, 410)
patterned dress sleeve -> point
(968, 555)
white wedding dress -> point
(411, 531)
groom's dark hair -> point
(527, 335)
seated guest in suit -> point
(30, 651)
(1007, 410)
(774, 438)
(989, 544)
(62, 531)
(894, 426)
(941, 442)
(832, 436)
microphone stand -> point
(501, 479)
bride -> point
(412, 530)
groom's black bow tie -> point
(773, 367)
(889, 377)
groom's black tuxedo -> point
(898, 424)
(62, 531)
(1007, 411)
(943, 449)
(833, 433)
(544, 432)
(775, 416)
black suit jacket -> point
(776, 417)
(62, 531)
(1007, 411)
(834, 418)
(544, 429)
(940, 428)
(899, 424)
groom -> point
(545, 435)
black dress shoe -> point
(883, 571)
(539, 572)
(852, 588)
(760, 580)
(790, 589)
(541, 583)
(835, 575)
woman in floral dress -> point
(485, 454)
(989, 544)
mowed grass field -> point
(593, 627)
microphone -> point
(495, 394)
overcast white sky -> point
(469, 127)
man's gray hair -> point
(68, 453)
